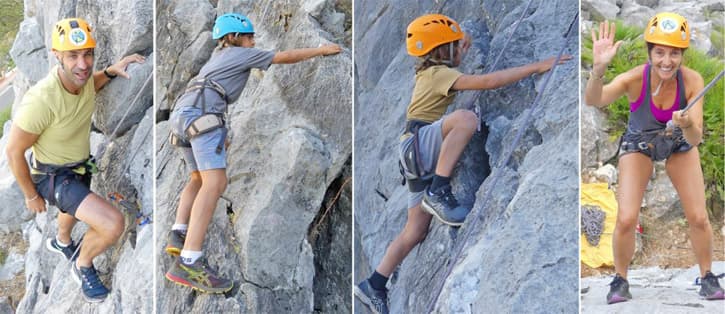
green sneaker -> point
(198, 276)
(175, 242)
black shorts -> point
(70, 190)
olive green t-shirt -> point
(432, 93)
(62, 120)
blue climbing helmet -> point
(232, 23)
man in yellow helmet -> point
(54, 119)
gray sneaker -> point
(618, 290)
(175, 242)
(444, 206)
(710, 287)
(375, 300)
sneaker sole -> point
(185, 283)
(173, 251)
(430, 210)
(616, 299)
(716, 296)
(364, 299)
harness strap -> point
(52, 171)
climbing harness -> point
(661, 143)
(478, 218)
(592, 223)
(53, 171)
(411, 166)
(208, 121)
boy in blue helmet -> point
(198, 130)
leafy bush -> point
(632, 53)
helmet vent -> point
(73, 24)
(410, 35)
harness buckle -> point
(642, 145)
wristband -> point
(593, 77)
(32, 198)
(108, 75)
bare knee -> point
(115, 226)
(699, 221)
(195, 179)
(466, 119)
(626, 223)
(215, 184)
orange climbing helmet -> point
(72, 34)
(669, 29)
(430, 31)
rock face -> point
(120, 29)
(288, 159)
(654, 290)
(521, 235)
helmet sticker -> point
(419, 45)
(77, 37)
(216, 30)
(454, 28)
(683, 35)
(668, 25)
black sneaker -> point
(92, 288)
(375, 300)
(175, 242)
(618, 290)
(444, 206)
(710, 287)
(69, 252)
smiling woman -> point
(658, 91)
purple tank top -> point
(662, 115)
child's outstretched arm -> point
(504, 77)
(297, 55)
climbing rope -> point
(110, 139)
(496, 176)
(592, 223)
(473, 103)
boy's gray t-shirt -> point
(230, 67)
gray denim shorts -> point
(430, 138)
(202, 154)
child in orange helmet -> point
(433, 141)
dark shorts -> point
(70, 190)
(656, 147)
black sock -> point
(378, 281)
(439, 181)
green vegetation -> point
(632, 53)
(10, 17)
(4, 117)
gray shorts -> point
(202, 154)
(430, 138)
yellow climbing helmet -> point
(430, 31)
(669, 29)
(72, 34)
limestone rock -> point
(285, 163)
(503, 228)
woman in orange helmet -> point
(432, 142)
(657, 91)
